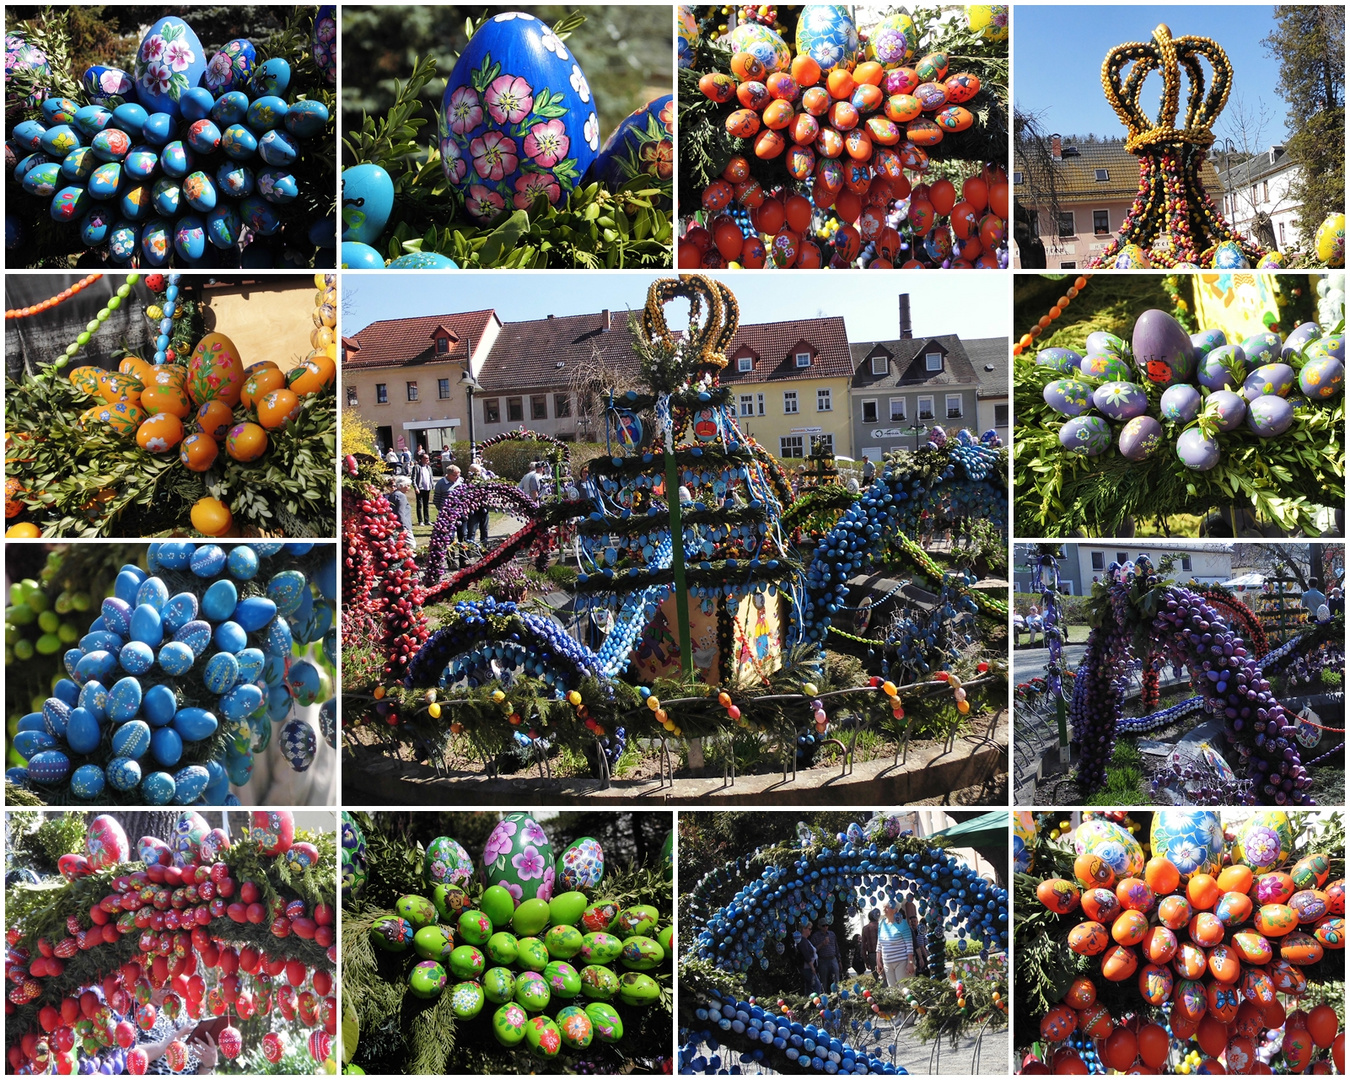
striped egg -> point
(196, 635)
(286, 590)
(132, 739)
(48, 767)
(123, 773)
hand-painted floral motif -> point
(163, 59)
(494, 155)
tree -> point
(1309, 43)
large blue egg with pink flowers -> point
(170, 60)
(518, 118)
(640, 146)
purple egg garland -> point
(471, 495)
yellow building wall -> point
(265, 322)
(774, 424)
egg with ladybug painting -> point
(519, 118)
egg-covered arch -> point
(463, 501)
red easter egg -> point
(1120, 1049)
(1212, 1035)
(1298, 1047)
(1322, 1025)
(1095, 1021)
(1058, 1024)
(1155, 984)
(1153, 1045)
(1119, 963)
(976, 192)
(1081, 993)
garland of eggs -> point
(1189, 631)
(468, 497)
(182, 676)
(172, 916)
(160, 169)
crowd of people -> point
(891, 946)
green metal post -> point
(677, 562)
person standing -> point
(869, 941)
(869, 470)
(1313, 597)
(478, 520)
(441, 491)
(806, 953)
(398, 499)
(827, 954)
(405, 461)
(586, 487)
(421, 484)
(529, 483)
(920, 939)
(895, 946)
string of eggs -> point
(1043, 324)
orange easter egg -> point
(159, 433)
(169, 375)
(278, 408)
(246, 442)
(1259, 988)
(1088, 938)
(1233, 909)
(137, 369)
(1161, 875)
(114, 386)
(1287, 979)
(211, 516)
(314, 373)
(1235, 878)
(215, 419)
(1119, 963)
(1189, 961)
(1301, 949)
(1092, 871)
(259, 385)
(1253, 947)
(1206, 930)
(159, 398)
(1100, 905)
(1058, 895)
(1330, 931)
(1202, 891)
(1155, 983)
(1276, 920)
(1129, 927)
(1275, 888)
(1058, 1024)
(1081, 993)
(215, 371)
(85, 379)
(1222, 1000)
(1134, 894)
(1095, 1021)
(1224, 964)
(1160, 944)
(198, 452)
(1174, 912)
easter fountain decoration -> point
(251, 440)
(519, 144)
(183, 160)
(553, 951)
(853, 149)
(1171, 422)
(191, 667)
(752, 656)
(731, 971)
(1224, 951)
(241, 928)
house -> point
(1257, 187)
(903, 387)
(990, 359)
(527, 378)
(1085, 563)
(404, 376)
(1096, 185)
(790, 384)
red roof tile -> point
(775, 346)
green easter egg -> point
(499, 904)
(418, 910)
(508, 1024)
(599, 916)
(427, 979)
(666, 938)
(576, 1027)
(530, 918)
(499, 984)
(543, 1037)
(638, 919)
(392, 935)
(563, 979)
(563, 942)
(599, 983)
(449, 901)
(668, 854)
(519, 856)
(434, 943)
(532, 991)
(474, 927)
(605, 1021)
(466, 1000)
(447, 863)
(531, 954)
(565, 909)
(641, 953)
(467, 962)
(638, 989)
(600, 948)
(502, 948)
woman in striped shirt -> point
(895, 946)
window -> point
(1017, 176)
(1281, 234)
(747, 405)
(925, 408)
(954, 410)
(1186, 562)
(539, 407)
(880, 365)
(789, 402)
(1070, 265)
(933, 361)
(492, 411)
(1098, 560)
(790, 446)
(1101, 223)
(826, 442)
(803, 359)
(745, 363)
(443, 388)
(1122, 557)
(1000, 416)
(759, 404)
(412, 391)
(515, 410)
(351, 397)
(897, 409)
(1253, 193)
(872, 453)
(823, 401)
(381, 394)
(442, 346)
(1101, 176)
(562, 405)
(1066, 224)
(1265, 191)
(869, 414)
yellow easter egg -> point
(211, 516)
(246, 442)
(172, 400)
(215, 371)
(159, 433)
(85, 379)
(277, 408)
(169, 375)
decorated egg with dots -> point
(1063, 360)
(1115, 845)
(763, 43)
(298, 743)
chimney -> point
(906, 330)
(550, 315)
(604, 319)
(1056, 148)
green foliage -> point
(39, 848)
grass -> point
(1124, 777)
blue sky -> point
(972, 304)
(1058, 53)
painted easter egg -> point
(188, 833)
(428, 978)
(599, 916)
(154, 852)
(1058, 894)
(1222, 368)
(1309, 905)
(367, 201)
(1208, 340)
(640, 146)
(581, 865)
(1192, 840)
(305, 119)
(826, 33)
(892, 41)
(423, 260)
(105, 843)
(1264, 841)
(1120, 400)
(1100, 904)
(1087, 435)
(1329, 241)
(1132, 257)
(1329, 932)
(298, 743)
(466, 999)
(392, 934)
(531, 130)
(1091, 871)
(761, 42)
(1088, 938)
(1311, 871)
(1330, 345)
(1068, 397)
(519, 857)
(447, 863)
(1322, 378)
(1196, 450)
(542, 1037)
(1233, 909)
(1105, 343)
(1228, 255)
(1024, 841)
(325, 41)
(354, 859)
(1269, 415)
(508, 1024)
(26, 60)
(563, 942)
(1300, 949)
(1252, 946)
(1162, 350)
(1105, 366)
(1062, 360)
(606, 1022)
(231, 68)
(990, 21)
(169, 61)
(1155, 984)
(1139, 438)
(687, 36)
(272, 830)
(1275, 920)
(450, 901)
(1228, 408)
(1115, 845)
(215, 371)
(1277, 379)
(563, 979)
(1119, 963)
(532, 991)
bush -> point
(510, 458)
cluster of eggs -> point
(182, 909)
(848, 129)
(1219, 942)
(544, 963)
(1328, 244)
(131, 716)
(179, 161)
(1201, 378)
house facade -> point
(405, 376)
(1085, 563)
(990, 357)
(1257, 187)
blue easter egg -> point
(1120, 400)
(189, 783)
(189, 238)
(1068, 397)
(59, 110)
(537, 110)
(231, 68)
(87, 782)
(260, 215)
(110, 144)
(27, 135)
(423, 260)
(83, 733)
(278, 148)
(357, 256)
(136, 657)
(1088, 435)
(167, 195)
(305, 119)
(158, 129)
(195, 724)
(287, 589)
(124, 699)
(279, 638)
(241, 701)
(175, 160)
(277, 186)
(304, 682)
(158, 705)
(255, 612)
(230, 637)
(324, 41)
(28, 743)
(59, 141)
(1229, 256)
(204, 137)
(169, 61)
(94, 697)
(825, 32)
(123, 773)
(157, 241)
(242, 563)
(43, 179)
(154, 592)
(131, 118)
(208, 560)
(157, 789)
(639, 146)
(328, 722)
(147, 625)
(82, 163)
(223, 227)
(54, 715)
(222, 672)
(238, 143)
(116, 613)
(89, 120)
(220, 600)
(196, 104)
(95, 225)
(266, 114)
(176, 658)
(48, 767)
(298, 744)
(166, 746)
(179, 610)
(132, 739)
(230, 108)
(123, 242)
(140, 164)
(272, 78)
(104, 84)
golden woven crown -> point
(707, 341)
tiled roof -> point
(1076, 177)
(1244, 171)
(903, 371)
(774, 343)
(545, 352)
(989, 358)
(396, 342)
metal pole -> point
(677, 557)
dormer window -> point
(442, 345)
(1017, 176)
(803, 359)
(1102, 175)
(880, 365)
(933, 361)
(744, 364)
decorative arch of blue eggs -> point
(122, 688)
(191, 180)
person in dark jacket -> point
(827, 954)
(806, 953)
(870, 930)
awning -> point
(1246, 581)
(987, 830)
